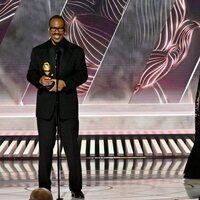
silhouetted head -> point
(41, 194)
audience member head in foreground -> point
(41, 194)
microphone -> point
(57, 49)
(58, 54)
(57, 61)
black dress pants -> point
(69, 134)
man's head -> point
(41, 194)
(56, 28)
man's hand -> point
(46, 81)
(61, 85)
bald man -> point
(41, 194)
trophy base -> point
(50, 86)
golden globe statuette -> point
(47, 71)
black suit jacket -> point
(73, 72)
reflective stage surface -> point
(135, 179)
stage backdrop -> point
(138, 52)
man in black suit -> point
(42, 74)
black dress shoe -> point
(78, 194)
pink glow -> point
(172, 47)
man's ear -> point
(49, 31)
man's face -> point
(56, 30)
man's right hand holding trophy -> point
(48, 82)
(46, 79)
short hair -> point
(41, 194)
(56, 17)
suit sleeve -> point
(80, 74)
(33, 74)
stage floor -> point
(134, 179)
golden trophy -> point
(47, 71)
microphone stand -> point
(57, 66)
